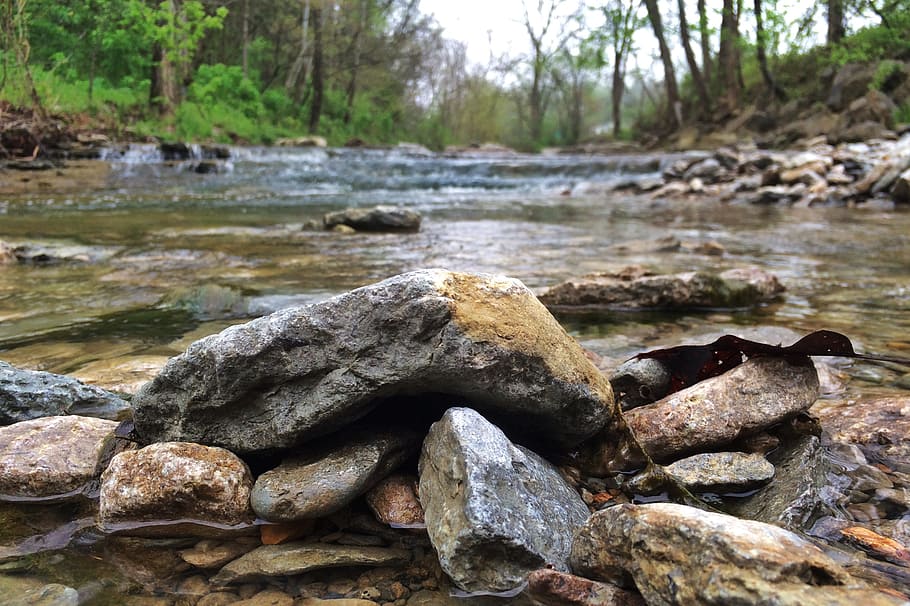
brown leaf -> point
(689, 364)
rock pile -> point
(823, 174)
(414, 427)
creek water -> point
(132, 272)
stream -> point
(122, 277)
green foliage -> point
(191, 122)
(221, 84)
(876, 43)
(885, 74)
(902, 114)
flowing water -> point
(122, 277)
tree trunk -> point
(704, 32)
(246, 37)
(617, 91)
(729, 37)
(700, 88)
(772, 85)
(297, 69)
(318, 83)
(673, 104)
(836, 28)
(355, 64)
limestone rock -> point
(51, 458)
(209, 553)
(635, 289)
(722, 471)
(376, 218)
(753, 396)
(300, 373)
(29, 394)
(297, 558)
(320, 482)
(494, 511)
(175, 486)
(682, 555)
(306, 141)
(394, 501)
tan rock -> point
(51, 458)
(175, 482)
(269, 597)
(394, 501)
(210, 553)
(554, 588)
(682, 555)
(753, 396)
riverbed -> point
(153, 256)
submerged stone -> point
(494, 511)
(555, 588)
(321, 482)
(682, 555)
(304, 372)
(298, 558)
(376, 218)
(635, 289)
(30, 394)
(51, 458)
(175, 488)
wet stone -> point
(637, 289)
(554, 588)
(51, 458)
(637, 382)
(394, 501)
(321, 482)
(753, 396)
(376, 218)
(303, 372)
(298, 558)
(682, 555)
(722, 471)
(494, 511)
(268, 597)
(210, 553)
(175, 488)
(29, 394)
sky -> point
(470, 21)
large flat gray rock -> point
(300, 373)
(494, 511)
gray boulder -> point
(682, 555)
(175, 489)
(635, 289)
(376, 218)
(51, 458)
(300, 373)
(321, 482)
(494, 511)
(753, 396)
(30, 394)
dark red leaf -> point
(689, 364)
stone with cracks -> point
(494, 511)
(29, 394)
(753, 396)
(634, 288)
(677, 554)
(300, 373)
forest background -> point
(383, 71)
